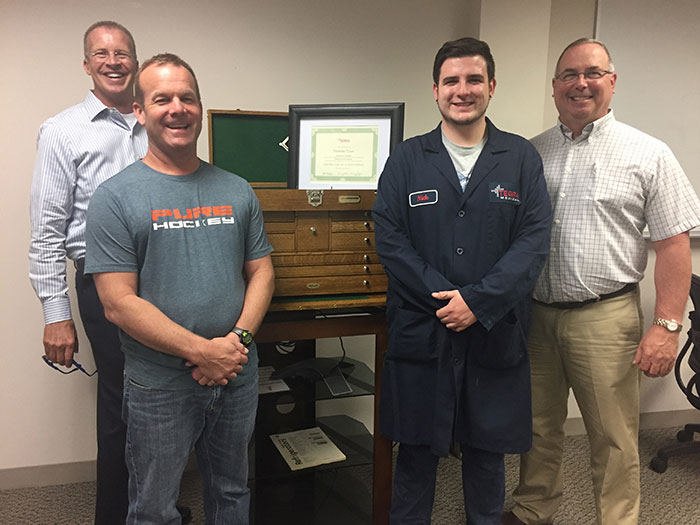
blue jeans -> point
(163, 426)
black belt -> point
(629, 287)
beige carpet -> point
(671, 498)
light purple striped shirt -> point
(77, 150)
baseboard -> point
(62, 474)
(677, 418)
(45, 475)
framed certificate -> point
(341, 146)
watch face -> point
(672, 325)
(244, 335)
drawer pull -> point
(313, 230)
(367, 225)
(366, 283)
(365, 258)
(313, 286)
(368, 241)
(366, 268)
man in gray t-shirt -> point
(182, 265)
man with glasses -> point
(607, 182)
(77, 150)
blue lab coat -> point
(489, 242)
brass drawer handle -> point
(366, 268)
(366, 283)
(313, 230)
(368, 241)
(367, 225)
(365, 258)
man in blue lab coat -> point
(462, 220)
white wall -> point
(254, 55)
(248, 54)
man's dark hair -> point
(582, 41)
(464, 47)
(112, 25)
(162, 59)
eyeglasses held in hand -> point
(77, 366)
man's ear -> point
(139, 113)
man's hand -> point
(220, 360)
(456, 315)
(60, 342)
(657, 351)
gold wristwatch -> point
(669, 324)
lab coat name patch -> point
(504, 193)
(421, 198)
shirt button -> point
(460, 251)
(461, 213)
(562, 194)
(557, 221)
(456, 361)
(553, 250)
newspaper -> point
(307, 448)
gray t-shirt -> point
(464, 158)
(187, 237)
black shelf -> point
(340, 497)
(348, 434)
(360, 378)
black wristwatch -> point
(244, 335)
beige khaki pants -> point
(589, 350)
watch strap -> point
(669, 324)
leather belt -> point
(629, 287)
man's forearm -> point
(151, 327)
(672, 273)
(259, 290)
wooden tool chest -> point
(324, 248)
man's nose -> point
(580, 80)
(111, 59)
(176, 105)
(462, 88)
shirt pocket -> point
(610, 188)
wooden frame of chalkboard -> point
(252, 144)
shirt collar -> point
(590, 130)
(96, 109)
(94, 106)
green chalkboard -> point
(247, 143)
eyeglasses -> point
(103, 54)
(567, 77)
(77, 366)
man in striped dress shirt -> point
(77, 150)
(607, 182)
